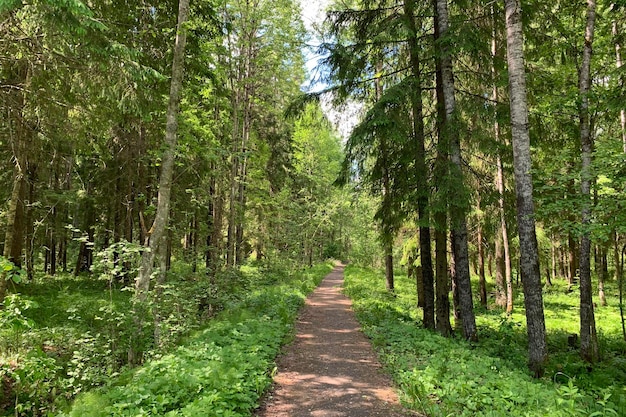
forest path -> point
(330, 370)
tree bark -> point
(442, 288)
(441, 173)
(505, 262)
(482, 283)
(588, 337)
(387, 233)
(421, 171)
(159, 225)
(572, 260)
(529, 256)
(457, 210)
(618, 60)
(500, 281)
(232, 206)
(603, 274)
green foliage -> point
(220, 370)
(442, 377)
(34, 383)
(10, 272)
(14, 322)
(118, 262)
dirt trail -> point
(330, 370)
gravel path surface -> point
(330, 370)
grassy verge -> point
(444, 377)
(221, 370)
(65, 335)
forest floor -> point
(330, 369)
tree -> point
(588, 337)
(504, 283)
(529, 256)
(458, 208)
(422, 188)
(157, 231)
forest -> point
(174, 187)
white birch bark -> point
(529, 256)
(142, 284)
(457, 212)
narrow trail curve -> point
(330, 370)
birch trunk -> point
(142, 284)
(588, 337)
(529, 256)
(457, 211)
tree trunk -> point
(529, 256)
(457, 209)
(588, 337)
(210, 221)
(421, 171)
(482, 283)
(387, 233)
(500, 281)
(553, 255)
(505, 262)
(231, 238)
(618, 60)
(230, 233)
(603, 274)
(620, 283)
(572, 261)
(20, 139)
(441, 173)
(419, 285)
(442, 277)
(389, 268)
(14, 237)
(167, 166)
(29, 225)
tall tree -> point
(440, 216)
(159, 226)
(504, 282)
(418, 138)
(588, 337)
(387, 232)
(529, 256)
(458, 207)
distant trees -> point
(109, 146)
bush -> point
(442, 377)
(221, 370)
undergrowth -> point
(449, 376)
(221, 370)
(64, 336)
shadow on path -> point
(330, 370)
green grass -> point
(443, 377)
(221, 370)
(64, 335)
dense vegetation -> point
(493, 138)
(166, 181)
(442, 377)
(153, 136)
